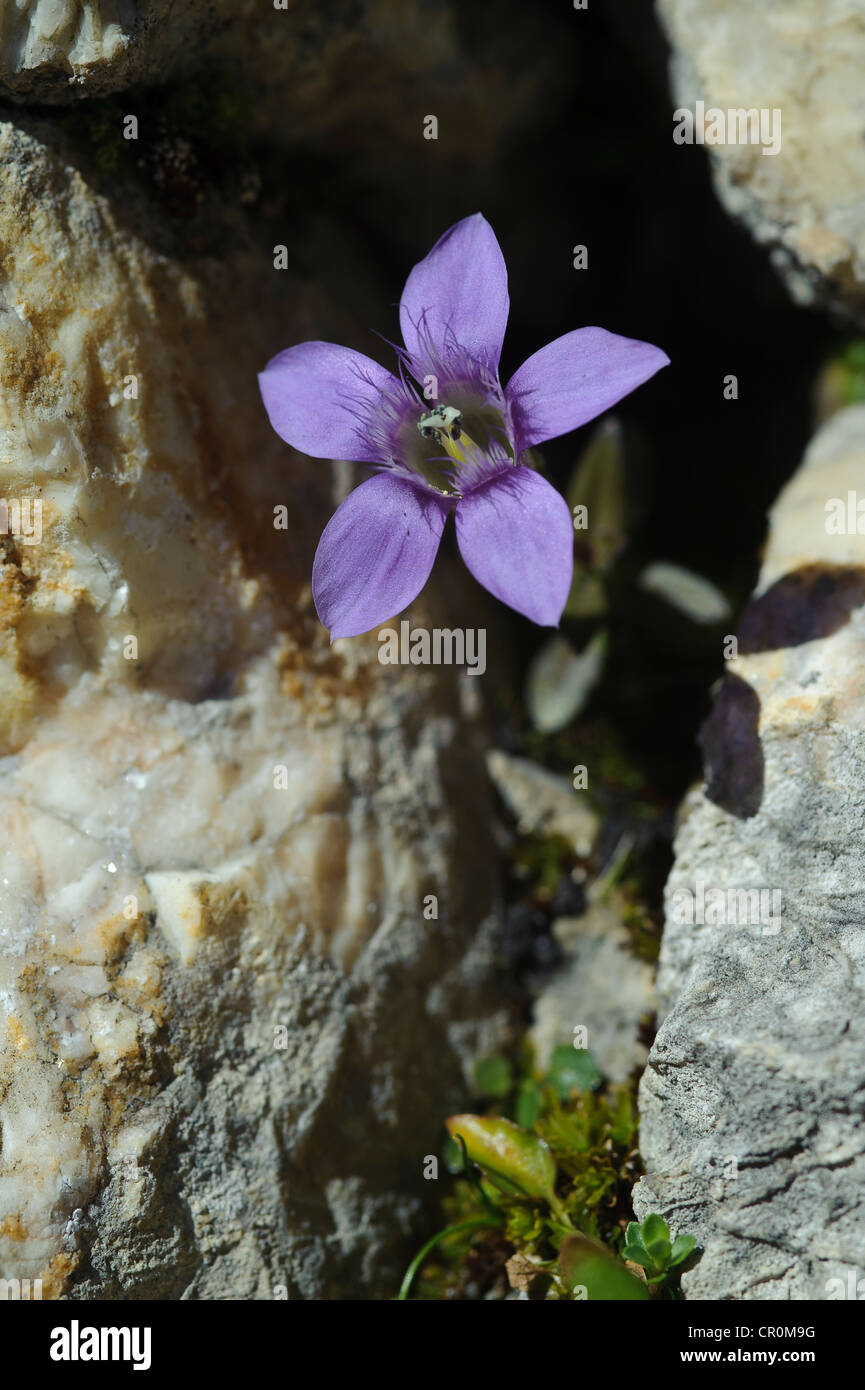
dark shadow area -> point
(811, 602)
(732, 753)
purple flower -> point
(446, 437)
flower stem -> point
(475, 1223)
(560, 1214)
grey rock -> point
(329, 75)
(228, 1030)
(57, 50)
(602, 987)
(542, 802)
(753, 1100)
(805, 201)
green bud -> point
(513, 1159)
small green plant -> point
(545, 1176)
(494, 1076)
(649, 1246)
(588, 1269)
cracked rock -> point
(753, 1100)
(227, 1028)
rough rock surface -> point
(54, 50)
(753, 1101)
(542, 802)
(228, 1032)
(806, 201)
(292, 71)
(602, 987)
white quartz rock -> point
(228, 1029)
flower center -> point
(445, 421)
(455, 447)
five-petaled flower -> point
(446, 437)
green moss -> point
(98, 127)
(540, 861)
(206, 118)
(642, 924)
(591, 1135)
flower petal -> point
(316, 396)
(516, 536)
(575, 378)
(375, 554)
(458, 295)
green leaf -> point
(637, 1253)
(586, 1264)
(634, 1233)
(512, 1158)
(572, 1069)
(469, 1172)
(598, 483)
(493, 1076)
(654, 1228)
(660, 1252)
(623, 1128)
(682, 1247)
(529, 1100)
(588, 597)
(453, 1156)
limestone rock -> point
(55, 50)
(542, 802)
(805, 202)
(602, 987)
(753, 1129)
(228, 1032)
(335, 71)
